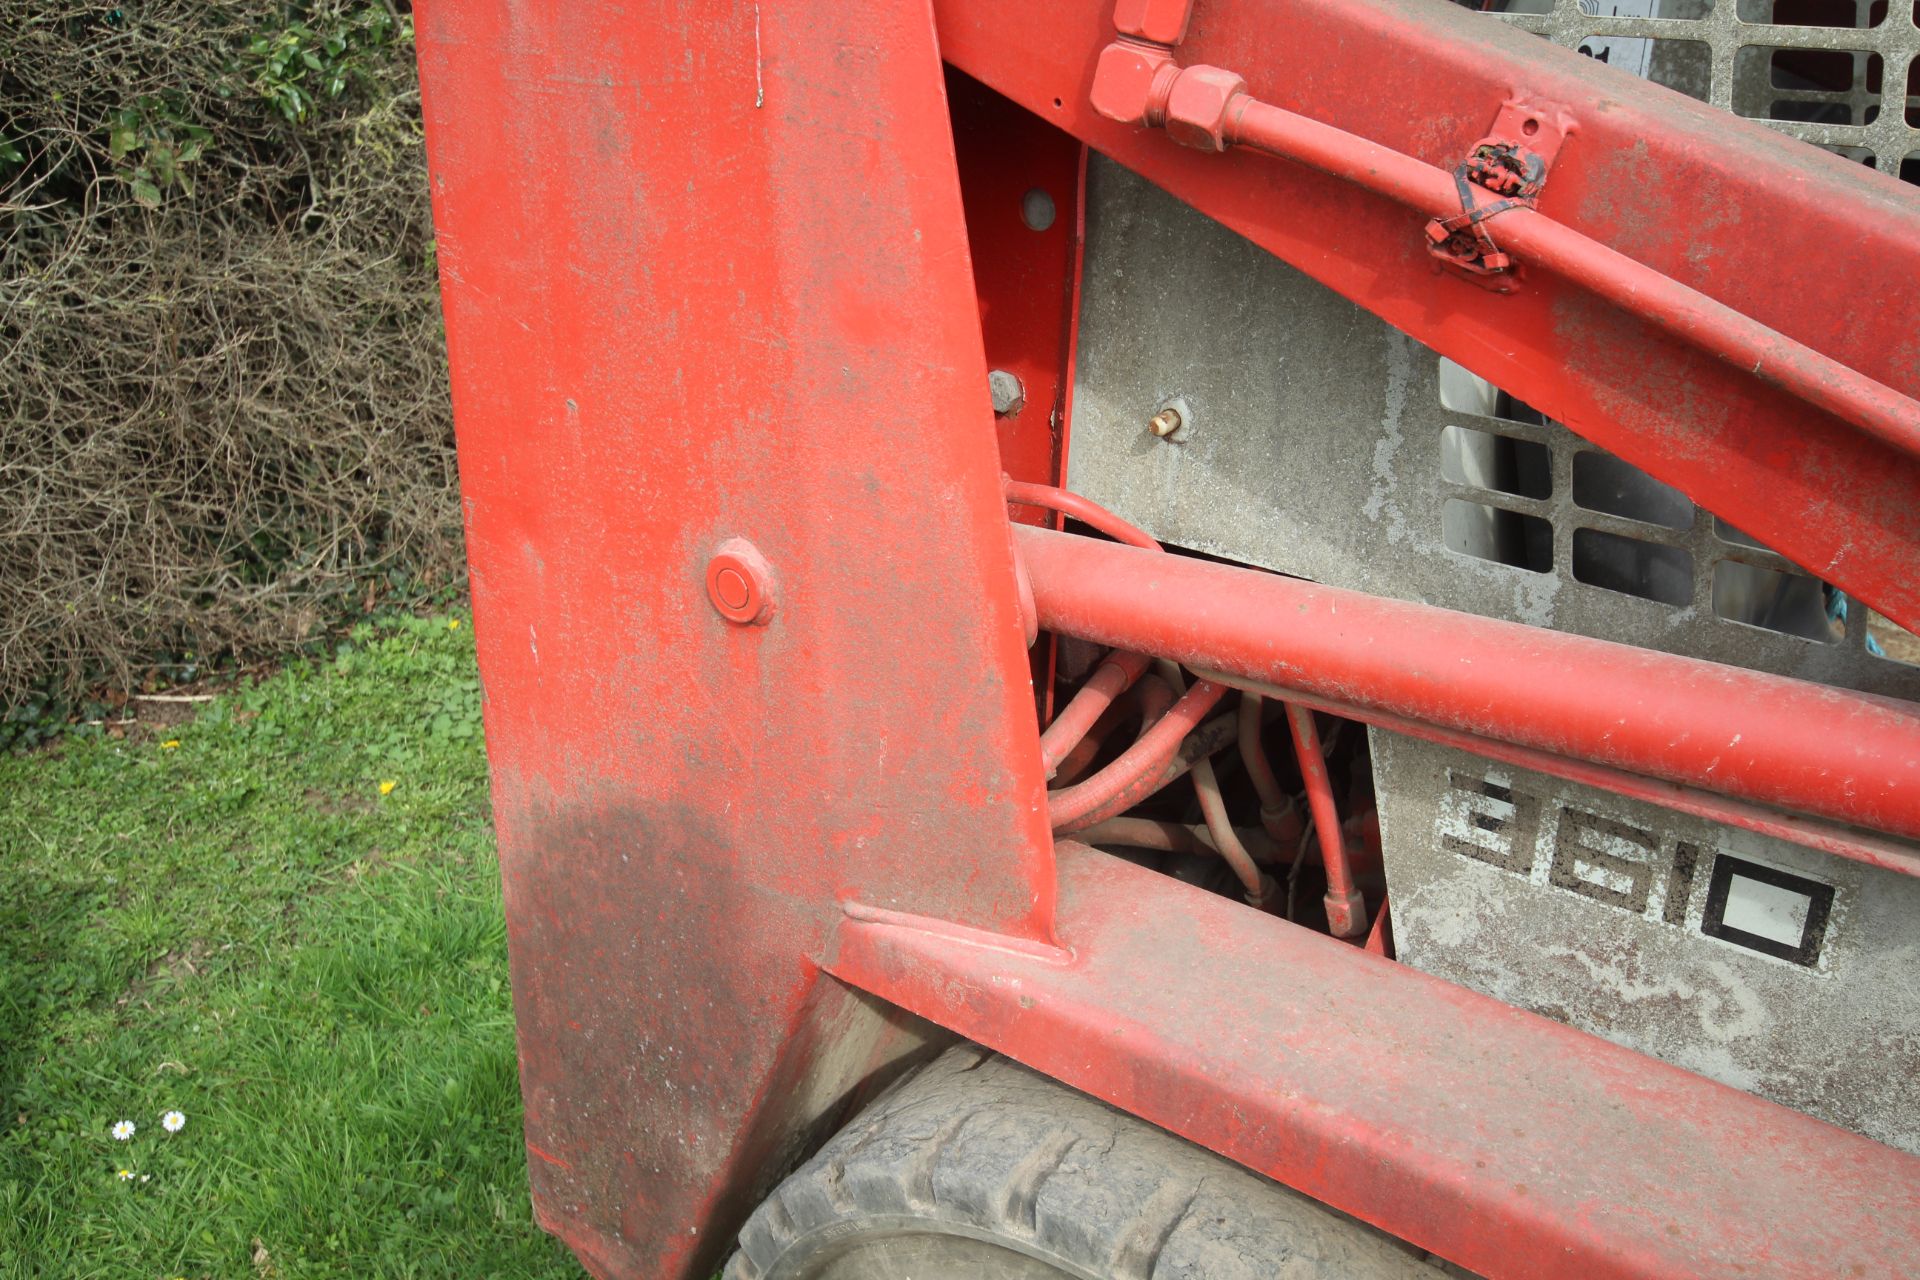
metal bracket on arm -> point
(1511, 164)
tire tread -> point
(976, 1141)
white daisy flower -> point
(126, 1175)
(123, 1130)
(173, 1122)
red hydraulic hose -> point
(1769, 739)
(1148, 699)
(1260, 889)
(1212, 736)
(1113, 677)
(1119, 670)
(1346, 909)
(1151, 699)
(1155, 696)
(1688, 314)
(1175, 837)
(1144, 761)
(1146, 833)
(1276, 806)
(1086, 511)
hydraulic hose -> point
(1137, 773)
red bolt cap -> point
(740, 583)
(1161, 21)
(1130, 83)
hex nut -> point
(1130, 83)
(1198, 106)
(1009, 397)
(1161, 21)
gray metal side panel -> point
(1315, 445)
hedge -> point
(223, 406)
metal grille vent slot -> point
(1619, 529)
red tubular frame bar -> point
(1763, 738)
(1854, 845)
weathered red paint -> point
(1027, 281)
(1793, 237)
(708, 278)
(1209, 109)
(1510, 1144)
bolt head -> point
(1346, 914)
(1172, 420)
(1198, 105)
(740, 583)
(1161, 21)
(1124, 82)
(1009, 396)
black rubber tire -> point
(975, 1168)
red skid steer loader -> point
(1199, 638)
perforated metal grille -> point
(1327, 445)
(1841, 74)
(1523, 491)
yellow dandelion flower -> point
(386, 788)
(170, 744)
(453, 624)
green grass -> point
(242, 927)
